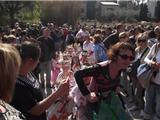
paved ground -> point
(134, 114)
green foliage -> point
(143, 14)
(121, 15)
(61, 11)
(31, 15)
(157, 11)
(12, 11)
(125, 12)
(123, 4)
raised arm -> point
(79, 75)
(148, 59)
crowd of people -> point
(80, 72)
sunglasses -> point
(141, 41)
(124, 57)
(123, 37)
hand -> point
(74, 66)
(158, 64)
(63, 89)
(70, 74)
(90, 52)
(92, 97)
(118, 89)
(155, 65)
(121, 91)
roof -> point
(109, 3)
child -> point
(75, 63)
(55, 69)
(63, 107)
(84, 58)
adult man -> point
(80, 36)
(47, 52)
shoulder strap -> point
(155, 51)
(105, 73)
(144, 53)
(157, 48)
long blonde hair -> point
(9, 66)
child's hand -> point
(70, 74)
(118, 89)
(64, 87)
(74, 66)
(92, 97)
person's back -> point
(114, 37)
(100, 52)
(10, 63)
(70, 39)
(99, 49)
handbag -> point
(112, 110)
(146, 73)
(61, 109)
(132, 69)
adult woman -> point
(28, 95)
(123, 37)
(152, 106)
(106, 74)
(9, 66)
(151, 38)
(141, 52)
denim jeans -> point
(152, 106)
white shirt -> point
(82, 34)
(90, 49)
(148, 60)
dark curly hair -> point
(113, 52)
(29, 50)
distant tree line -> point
(13, 11)
(67, 12)
(35, 11)
(157, 11)
(144, 13)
